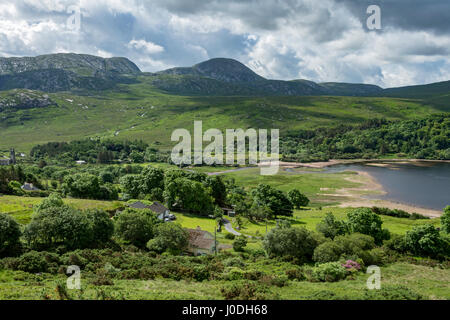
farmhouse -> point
(200, 242)
(163, 212)
(29, 187)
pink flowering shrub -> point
(351, 265)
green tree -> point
(424, 240)
(330, 227)
(135, 227)
(190, 195)
(102, 226)
(298, 199)
(240, 243)
(9, 235)
(53, 200)
(169, 237)
(63, 225)
(445, 220)
(365, 221)
(130, 185)
(151, 178)
(276, 200)
(298, 243)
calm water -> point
(427, 185)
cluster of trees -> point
(88, 186)
(97, 151)
(12, 178)
(56, 225)
(359, 238)
(427, 138)
(202, 194)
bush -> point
(102, 225)
(9, 236)
(234, 262)
(230, 236)
(55, 226)
(392, 213)
(424, 240)
(392, 293)
(295, 274)
(364, 221)
(135, 227)
(245, 291)
(170, 237)
(330, 227)
(327, 252)
(34, 262)
(396, 243)
(329, 272)
(240, 243)
(298, 243)
(445, 220)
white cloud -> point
(146, 46)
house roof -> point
(139, 205)
(200, 239)
(158, 207)
(29, 187)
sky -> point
(322, 41)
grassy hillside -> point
(144, 112)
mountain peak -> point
(222, 69)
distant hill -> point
(64, 72)
(216, 77)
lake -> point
(423, 184)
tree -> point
(424, 240)
(62, 225)
(130, 185)
(240, 243)
(53, 200)
(298, 199)
(135, 227)
(169, 237)
(102, 226)
(330, 227)
(9, 235)
(365, 221)
(218, 189)
(298, 243)
(87, 186)
(151, 178)
(276, 200)
(190, 195)
(445, 220)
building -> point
(80, 162)
(229, 212)
(200, 242)
(158, 208)
(8, 161)
(29, 187)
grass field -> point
(430, 282)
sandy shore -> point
(353, 197)
(373, 162)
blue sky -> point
(323, 40)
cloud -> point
(148, 47)
(286, 39)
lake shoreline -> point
(370, 184)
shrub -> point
(327, 252)
(364, 221)
(418, 216)
(295, 274)
(135, 227)
(34, 262)
(9, 236)
(396, 243)
(55, 226)
(240, 243)
(170, 237)
(298, 243)
(330, 227)
(445, 220)
(245, 291)
(230, 236)
(298, 199)
(329, 272)
(102, 226)
(392, 213)
(392, 293)
(424, 240)
(234, 262)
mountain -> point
(351, 89)
(221, 69)
(65, 72)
